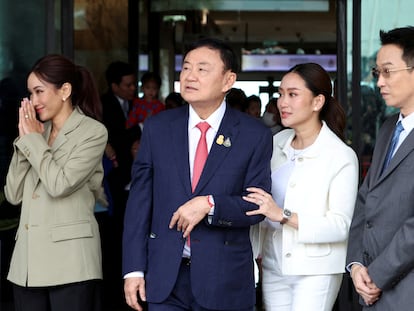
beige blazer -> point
(57, 241)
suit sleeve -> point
(61, 180)
(396, 260)
(19, 166)
(138, 209)
(230, 210)
(355, 249)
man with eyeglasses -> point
(381, 241)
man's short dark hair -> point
(227, 54)
(402, 37)
(116, 70)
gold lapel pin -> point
(220, 140)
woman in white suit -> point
(56, 175)
(302, 241)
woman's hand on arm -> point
(268, 207)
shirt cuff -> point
(349, 266)
(135, 274)
(210, 215)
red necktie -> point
(201, 154)
(199, 158)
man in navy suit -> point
(187, 249)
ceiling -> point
(287, 29)
(306, 25)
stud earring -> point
(63, 99)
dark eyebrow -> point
(289, 89)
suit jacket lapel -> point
(379, 156)
(70, 124)
(179, 141)
(218, 152)
(402, 152)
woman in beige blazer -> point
(56, 175)
(303, 239)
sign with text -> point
(285, 61)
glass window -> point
(100, 35)
(22, 42)
(376, 15)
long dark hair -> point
(57, 70)
(317, 80)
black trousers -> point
(81, 296)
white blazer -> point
(322, 191)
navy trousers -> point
(181, 298)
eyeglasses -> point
(385, 72)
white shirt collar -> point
(214, 119)
(407, 122)
(121, 100)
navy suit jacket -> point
(382, 231)
(221, 257)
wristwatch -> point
(287, 214)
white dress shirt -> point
(194, 135)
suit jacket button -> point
(368, 225)
(26, 226)
(288, 255)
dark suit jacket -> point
(382, 230)
(118, 138)
(221, 256)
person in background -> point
(56, 174)
(236, 99)
(253, 106)
(271, 117)
(134, 134)
(174, 100)
(116, 104)
(381, 240)
(303, 240)
(186, 242)
(149, 104)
